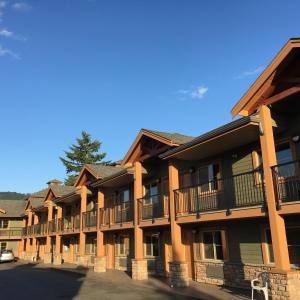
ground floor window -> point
(212, 245)
(151, 244)
(3, 246)
(293, 241)
(123, 245)
(90, 246)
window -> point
(90, 246)
(293, 241)
(125, 198)
(3, 246)
(123, 245)
(152, 242)
(212, 245)
(208, 177)
(3, 224)
(151, 192)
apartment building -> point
(11, 224)
(220, 208)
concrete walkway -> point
(113, 280)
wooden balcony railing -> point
(68, 224)
(52, 226)
(118, 214)
(153, 207)
(89, 219)
(286, 178)
(11, 232)
(40, 229)
(241, 190)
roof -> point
(39, 194)
(61, 190)
(36, 202)
(102, 171)
(175, 138)
(211, 134)
(246, 105)
(12, 208)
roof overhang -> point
(85, 169)
(135, 145)
(263, 89)
(222, 139)
(71, 197)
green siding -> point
(244, 241)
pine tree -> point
(86, 151)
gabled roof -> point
(98, 171)
(11, 208)
(264, 86)
(175, 138)
(39, 194)
(61, 190)
(167, 138)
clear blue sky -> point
(113, 67)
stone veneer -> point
(83, 260)
(47, 258)
(139, 269)
(283, 286)
(179, 274)
(100, 264)
(57, 259)
(123, 263)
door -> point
(188, 240)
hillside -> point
(12, 196)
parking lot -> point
(37, 281)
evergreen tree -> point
(86, 151)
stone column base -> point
(48, 258)
(179, 274)
(31, 256)
(57, 260)
(83, 260)
(284, 285)
(23, 255)
(139, 269)
(100, 264)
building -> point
(220, 208)
(11, 224)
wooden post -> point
(58, 237)
(34, 240)
(100, 234)
(82, 235)
(48, 237)
(138, 193)
(29, 223)
(277, 224)
(176, 238)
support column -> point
(100, 259)
(21, 248)
(58, 255)
(28, 244)
(34, 240)
(48, 254)
(83, 259)
(139, 264)
(178, 266)
(277, 224)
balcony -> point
(52, 227)
(117, 215)
(89, 220)
(153, 207)
(11, 233)
(68, 224)
(286, 178)
(40, 229)
(238, 191)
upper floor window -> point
(208, 177)
(212, 245)
(151, 192)
(3, 223)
